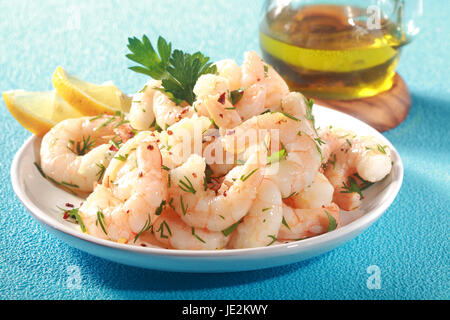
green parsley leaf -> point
(178, 71)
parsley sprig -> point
(179, 71)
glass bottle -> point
(341, 49)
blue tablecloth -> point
(409, 244)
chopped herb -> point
(165, 168)
(276, 156)
(82, 148)
(183, 208)
(195, 235)
(290, 196)
(213, 123)
(320, 141)
(75, 217)
(71, 185)
(101, 171)
(121, 122)
(289, 116)
(161, 229)
(171, 203)
(284, 222)
(266, 71)
(122, 157)
(365, 183)
(381, 148)
(147, 226)
(104, 124)
(101, 221)
(265, 209)
(348, 142)
(143, 89)
(245, 177)
(221, 216)
(207, 178)
(115, 143)
(333, 162)
(352, 187)
(187, 187)
(236, 96)
(96, 117)
(157, 127)
(231, 228)
(332, 224)
(273, 239)
(309, 113)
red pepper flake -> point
(128, 211)
(222, 98)
(170, 132)
(150, 147)
(185, 110)
(230, 132)
(258, 79)
(194, 174)
(225, 193)
(221, 115)
(143, 245)
(112, 148)
(66, 215)
(141, 174)
(69, 205)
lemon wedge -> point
(89, 98)
(38, 112)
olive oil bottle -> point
(331, 51)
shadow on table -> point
(122, 277)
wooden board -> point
(383, 111)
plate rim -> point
(350, 230)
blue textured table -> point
(409, 244)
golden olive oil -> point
(329, 52)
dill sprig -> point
(183, 208)
(226, 232)
(351, 187)
(245, 177)
(187, 186)
(101, 171)
(196, 236)
(273, 239)
(147, 226)
(161, 228)
(80, 148)
(65, 185)
(75, 217)
(101, 221)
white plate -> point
(41, 197)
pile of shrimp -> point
(144, 188)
